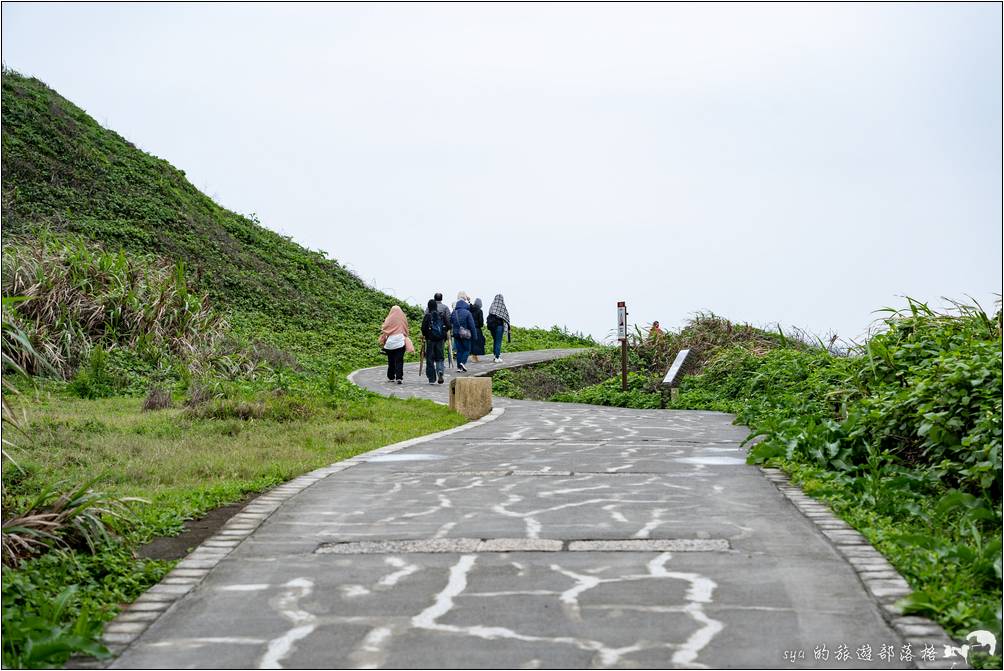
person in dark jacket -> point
(478, 341)
(463, 331)
(499, 325)
(444, 310)
(435, 331)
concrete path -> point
(555, 535)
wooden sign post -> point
(622, 336)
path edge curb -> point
(147, 609)
(880, 578)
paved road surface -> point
(556, 535)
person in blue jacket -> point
(463, 331)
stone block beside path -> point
(471, 396)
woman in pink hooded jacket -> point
(395, 342)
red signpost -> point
(622, 336)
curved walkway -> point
(547, 535)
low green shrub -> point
(503, 384)
(525, 339)
(642, 392)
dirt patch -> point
(196, 531)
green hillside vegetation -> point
(901, 436)
(65, 173)
(157, 346)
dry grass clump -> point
(274, 408)
(705, 334)
(74, 295)
(158, 398)
(74, 518)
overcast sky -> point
(801, 164)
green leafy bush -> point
(903, 439)
(641, 393)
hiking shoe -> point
(440, 379)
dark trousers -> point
(433, 359)
(497, 334)
(395, 364)
(463, 349)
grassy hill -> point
(65, 173)
(63, 170)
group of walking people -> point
(462, 327)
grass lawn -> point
(184, 467)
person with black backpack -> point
(435, 333)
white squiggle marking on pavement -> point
(443, 530)
(615, 514)
(352, 591)
(444, 600)
(570, 597)
(458, 583)
(288, 606)
(392, 579)
(371, 653)
(656, 521)
(701, 590)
